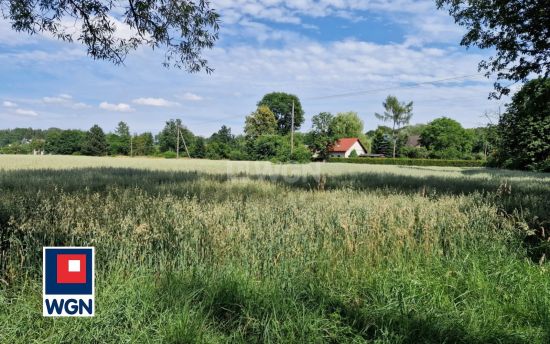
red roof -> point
(343, 145)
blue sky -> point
(312, 48)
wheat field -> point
(198, 251)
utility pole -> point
(178, 141)
(292, 131)
(185, 145)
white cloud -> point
(42, 56)
(65, 100)
(341, 65)
(159, 102)
(289, 11)
(191, 97)
(23, 112)
(9, 104)
(120, 107)
(254, 57)
(54, 100)
(12, 108)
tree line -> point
(520, 140)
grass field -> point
(196, 251)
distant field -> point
(15, 162)
(198, 251)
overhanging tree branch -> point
(184, 29)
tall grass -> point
(200, 256)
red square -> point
(71, 275)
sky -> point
(335, 55)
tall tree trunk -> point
(394, 139)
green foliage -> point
(20, 135)
(119, 141)
(198, 149)
(143, 144)
(446, 139)
(524, 129)
(238, 149)
(269, 147)
(94, 142)
(300, 154)
(484, 140)
(276, 148)
(399, 113)
(327, 129)
(220, 144)
(168, 137)
(353, 154)
(182, 30)
(280, 104)
(116, 145)
(411, 162)
(382, 142)
(223, 136)
(516, 29)
(122, 129)
(321, 136)
(216, 150)
(414, 152)
(346, 124)
(412, 130)
(383, 128)
(169, 155)
(385, 254)
(64, 141)
(16, 148)
(260, 122)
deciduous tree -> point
(321, 137)
(281, 105)
(346, 124)
(446, 138)
(399, 113)
(517, 30)
(183, 29)
(260, 122)
(168, 137)
(524, 129)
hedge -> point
(411, 162)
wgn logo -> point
(68, 281)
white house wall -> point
(357, 147)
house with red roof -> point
(344, 147)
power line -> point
(393, 88)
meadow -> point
(198, 251)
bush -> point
(414, 152)
(446, 154)
(237, 154)
(169, 155)
(301, 154)
(543, 166)
(411, 162)
(479, 156)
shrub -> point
(301, 154)
(543, 166)
(414, 152)
(411, 162)
(169, 155)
